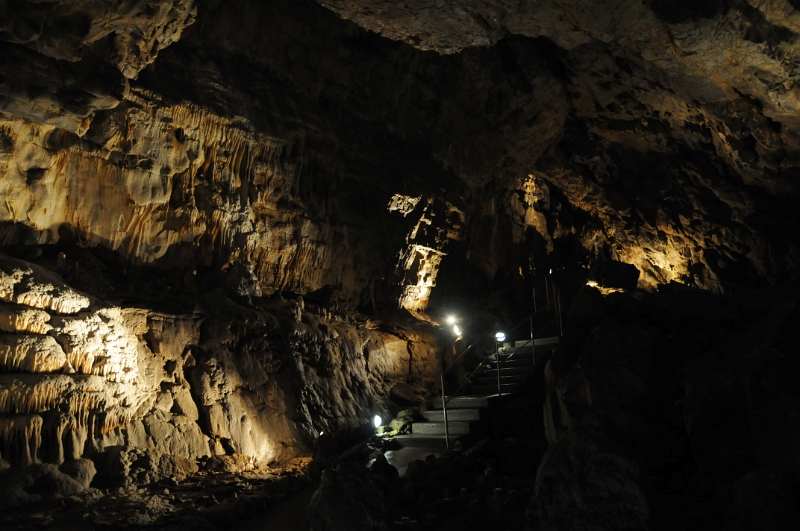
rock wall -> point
(81, 378)
(651, 153)
(180, 210)
(65, 60)
(680, 149)
(656, 414)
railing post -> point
(533, 342)
(547, 290)
(497, 363)
(444, 410)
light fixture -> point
(451, 320)
(457, 330)
(377, 421)
(500, 336)
(321, 432)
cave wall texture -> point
(198, 193)
(680, 140)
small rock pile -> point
(222, 494)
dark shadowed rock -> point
(612, 274)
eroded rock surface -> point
(624, 454)
(66, 60)
(144, 394)
(681, 143)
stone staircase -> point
(468, 415)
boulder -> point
(612, 274)
(29, 484)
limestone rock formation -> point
(65, 60)
(681, 143)
(145, 394)
(222, 223)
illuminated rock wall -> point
(89, 378)
(678, 149)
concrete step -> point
(460, 402)
(437, 428)
(453, 415)
(413, 440)
(540, 342)
(523, 349)
(512, 363)
(492, 389)
(514, 353)
(509, 371)
(492, 380)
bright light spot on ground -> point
(377, 421)
(456, 330)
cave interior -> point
(246, 245)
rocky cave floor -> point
(486, 486)
(221, 495)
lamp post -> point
(451, 320)
(499, 337)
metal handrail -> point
(556, 302)
(481, 338)
(458, 358)
(516, 349)
(546, 306)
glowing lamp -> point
(377, 421)
(500, 336)
(456, 330)
(451, 320)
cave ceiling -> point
(681, 124)
(526, 136)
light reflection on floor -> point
(402, 457)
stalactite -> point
(28, 285)
(16, 319)
(57, 433)
(20, 438)
(31, 354)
